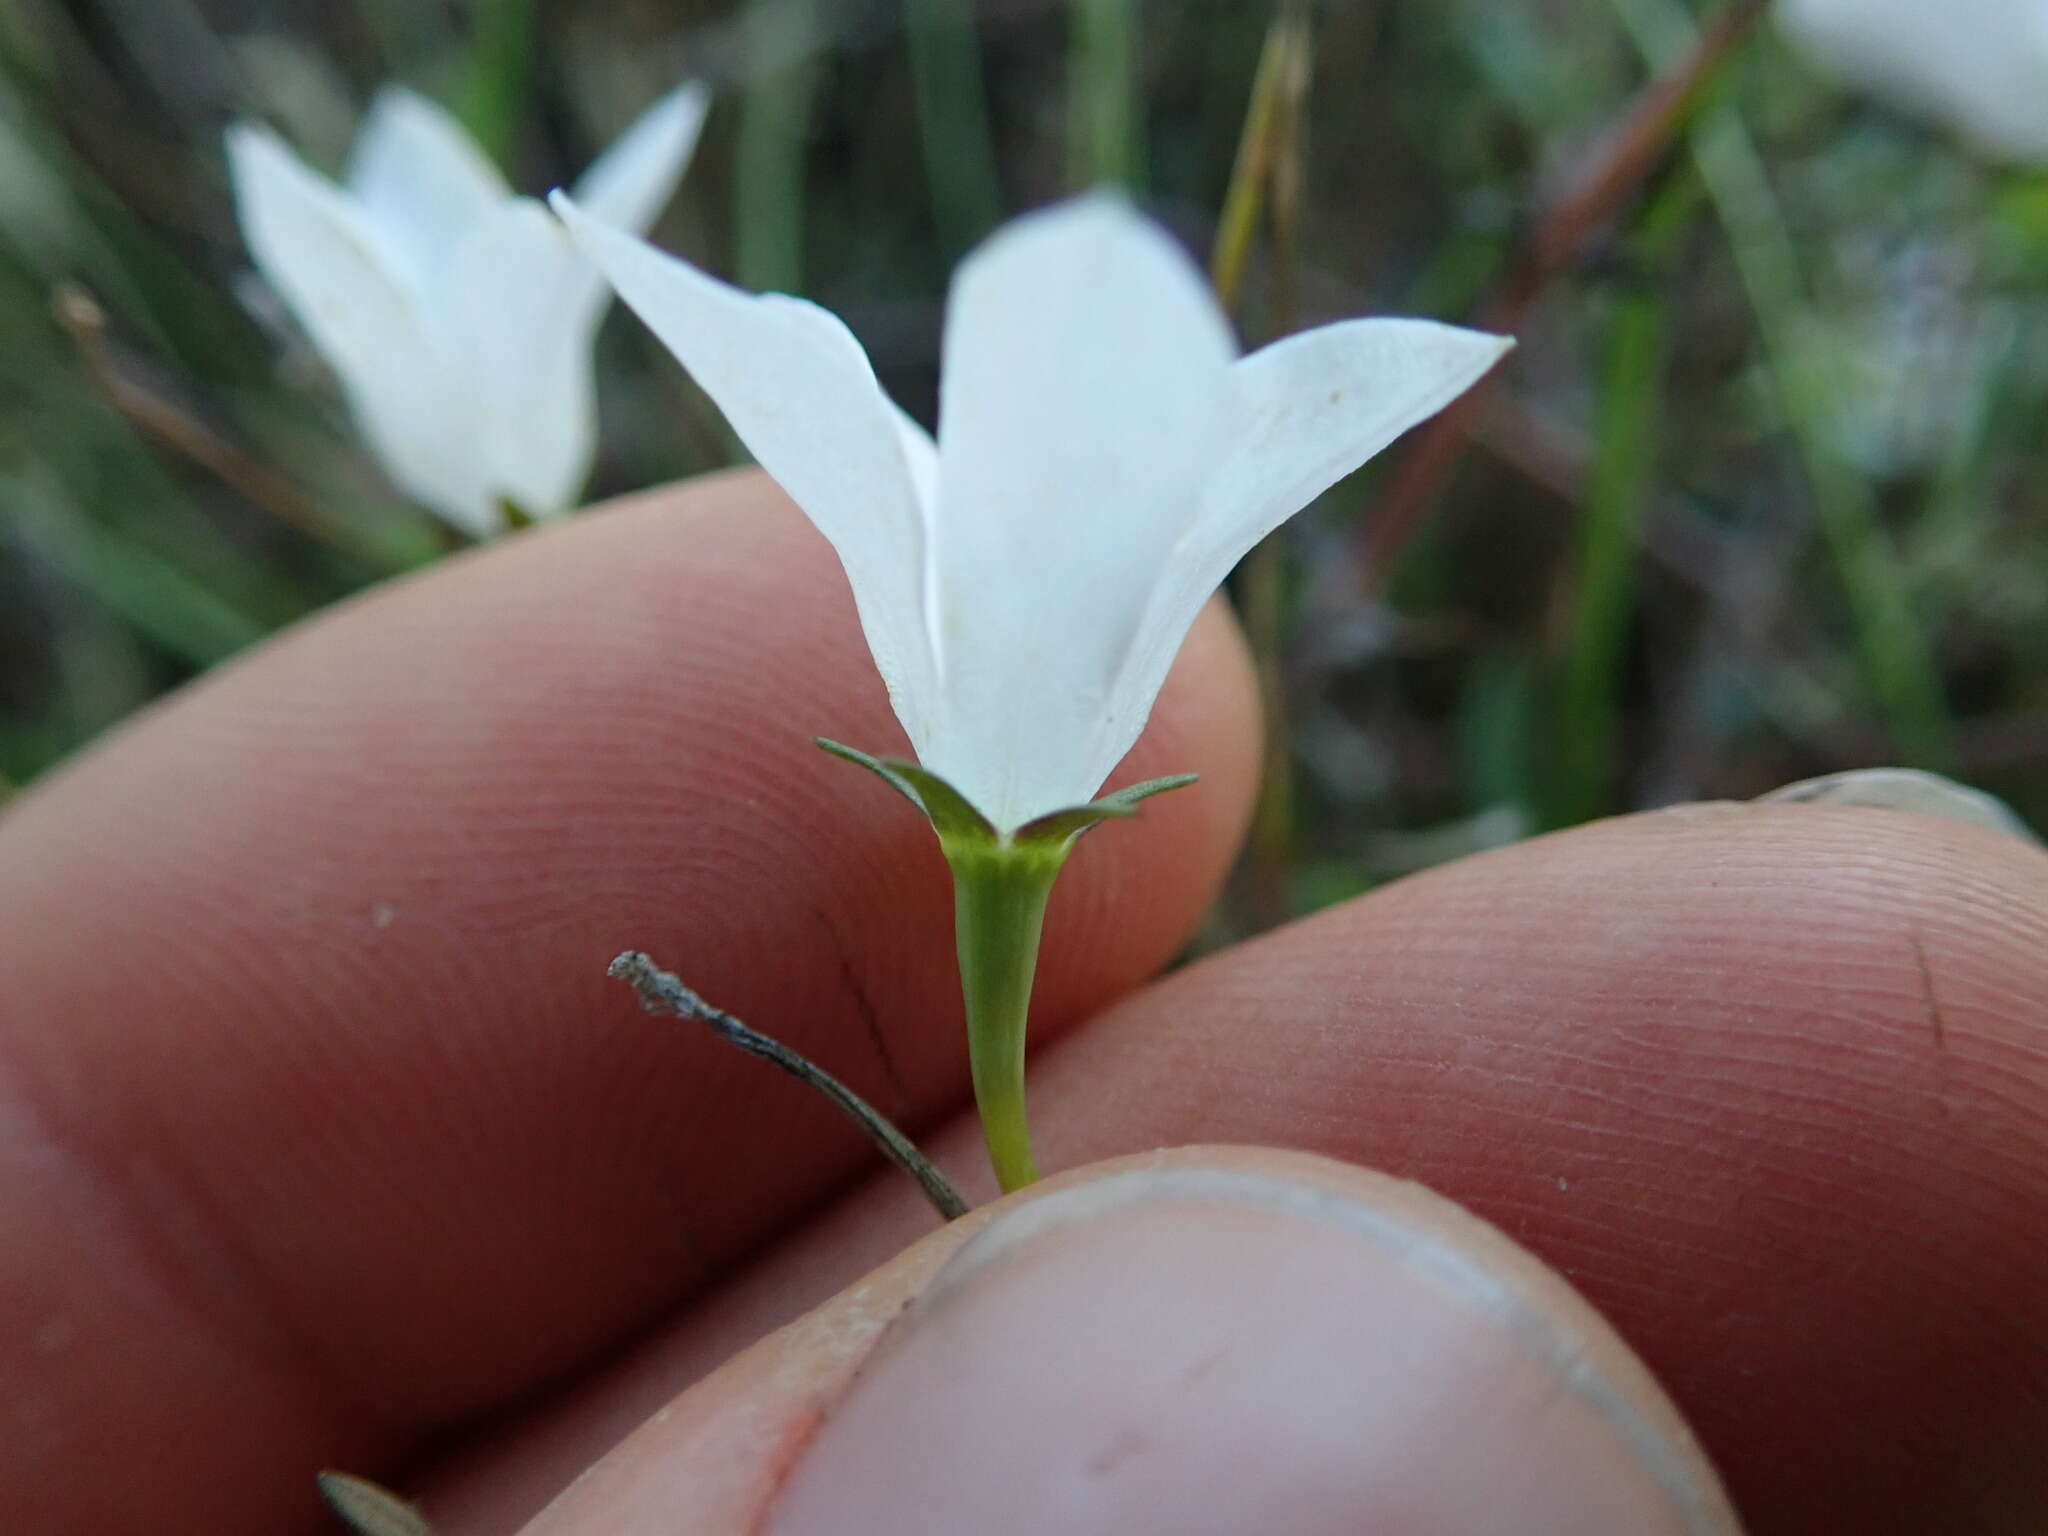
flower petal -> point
(1907, 789)
(1975, 65)
(312, 245)
(421, 180)
(512, 299)
(1084, 393)
(1305, 412)
(1311, 408)
(800, 393)
(630, 183)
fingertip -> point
(1213, 1339)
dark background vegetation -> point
(1759, 497)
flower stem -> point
(1001, 881)
(999, 896)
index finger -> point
(321, 1124)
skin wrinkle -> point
(186, 1258)
(870, 1019)
(171, 1254)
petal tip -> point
(249, 144)
(1099, 213)
(604, 244)
(587, 232)
(585, 228)
(399, 103)
(687, 99)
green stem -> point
(999, 896)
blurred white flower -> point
(1104, 458)
(1978, 67)
(458, 318)
(1907, 789)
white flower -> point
(1907, 789)
(1980, 67)
(1104, 458)
(457, 317)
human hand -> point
(328, 1143)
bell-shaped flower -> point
(1976, 67)
(458, 318)
(1104, 458)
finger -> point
(1215, 1340)
(1769, 1084)
(321, 1123)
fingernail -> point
(1907, 789)
(1202, 1350)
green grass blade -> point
(500, 63)
(1104, 122)
(953, 121)
(173, 610)
(1631, 401)
(774, 140)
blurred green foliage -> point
(1762, 496)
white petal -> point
(512, 300)
(801, 395)
(311, 244)
(1305, 412)
(1977, 66)
(1084, 392)
(1311, 408)
(421, 179)
(630, 183)
(1907, 789)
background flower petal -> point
(1975, 66)
(800, 393)
(422, 181)
(312, 245)
(513, 296)
(1083, 400)
(631, 182)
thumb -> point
(1212, 1340)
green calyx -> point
(1001, 882)
(516, 516)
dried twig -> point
(664, 993)
(85, 322)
